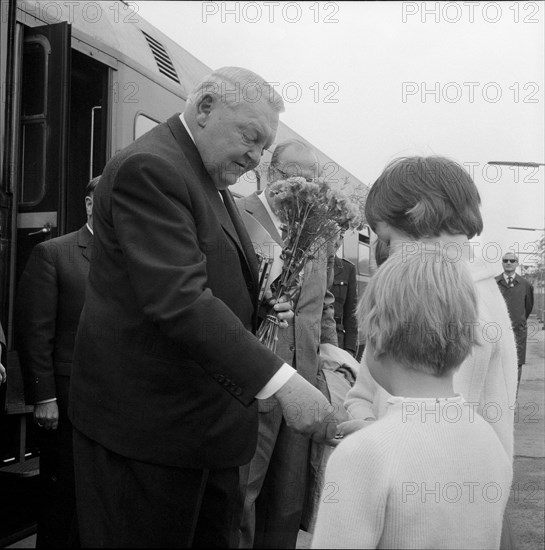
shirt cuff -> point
(280, 377)
(46, 401)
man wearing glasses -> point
(273, 484)
(519, 297)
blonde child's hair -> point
(420, 308)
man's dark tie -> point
(242, 234)
(510, 281)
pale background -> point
(343, 67)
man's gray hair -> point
(234, 85)
(286, 144)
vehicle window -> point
(142, 124)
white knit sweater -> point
(487, 377)
(429, 474)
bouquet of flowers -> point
(313, 214)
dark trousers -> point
(125, 503)
(57, 522)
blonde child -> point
(431, 473)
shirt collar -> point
(506, 277)
(182, 120)
(89, 228)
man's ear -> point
(205, 105)
(89, 205)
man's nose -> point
(255, 155)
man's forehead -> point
(510, 256)
(298, 156)
(258, 115)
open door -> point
(44, 82)
(43, 159)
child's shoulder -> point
(378, 438)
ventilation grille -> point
(162, 59)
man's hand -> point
(283, 307)
(46, 415)
(306, 410)
(2, 374)
(348, 427)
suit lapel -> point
(240, 229)
(501, 281)
(254, 206)
(84, 238)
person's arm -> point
(354, 497)
(350, 320)
(360, 398)
(328, 331)
(2, 355)
(35, 319)
(153, 219)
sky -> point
(367, 82)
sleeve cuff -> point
(280, 377)
(46, 401)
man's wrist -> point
(51, 400)
(280, 377)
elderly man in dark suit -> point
(50, 298)
(274, 482)
(166, 369)
(519, 297)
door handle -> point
(46, 229)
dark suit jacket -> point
(165, 368)
(313, 323)
(345, 291)
(520, 301)
(50, 297)
(2, 347)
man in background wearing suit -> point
(166, 368)
(50, 298)
(519, 297)
(345, 290)
(274, 482)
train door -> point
(44, 123)
(39, 138)
(60, 136)
(63, 135)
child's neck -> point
(410, 383)
(458, 245)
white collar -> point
(89, 228)
(506, 277)
(182, 120)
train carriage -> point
(80, 81)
